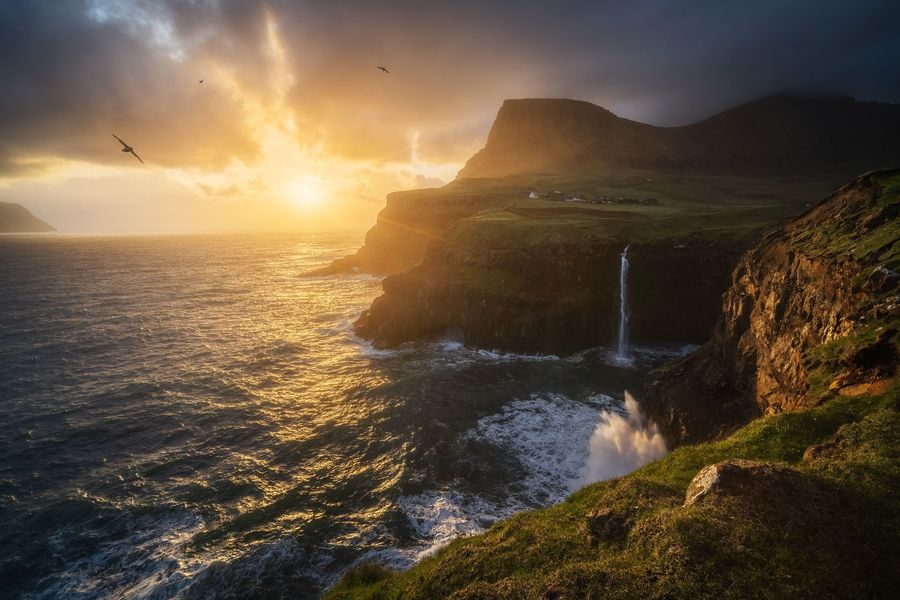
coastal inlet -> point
(189, 415)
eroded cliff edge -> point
(813, 311)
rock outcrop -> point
(783, 342)
(736, 477)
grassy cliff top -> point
(683, 205)
(831, 529)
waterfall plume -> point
(622, 443)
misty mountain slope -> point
(779, 152)
(777, 135)
(15, 218)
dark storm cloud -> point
(70, 80)
(68, 77)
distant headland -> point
(15, 218)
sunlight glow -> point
(305, 192)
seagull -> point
(127, 148)
(201, 81)
(383, 69)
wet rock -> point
(736, 477)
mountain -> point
(15, 218)
(781, 152)
(775, 135)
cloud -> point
(74, 72)
(69, 81)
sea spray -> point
(621, 444)
(622, 350)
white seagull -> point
(127, 148)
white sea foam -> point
(151, 559)
(622, 443)
(547, 435)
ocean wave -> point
(547, 435)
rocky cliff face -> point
(812, 311)
(554, 293)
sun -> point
(306, 192)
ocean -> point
(192, 417)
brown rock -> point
(732, 478)
(607, 524)
(881, 280)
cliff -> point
(15, 218)
(543, 276)
(782, 341)
(799, 504)
(774, 135)
(514, 281)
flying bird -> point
(201, 81)
(127, 148)
(383, 69)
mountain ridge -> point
(777, 134)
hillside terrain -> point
(788, 316)
(15, 218)
(542, 275)
(779, 134)
(799, 503)
(781, 149)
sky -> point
(295, 127)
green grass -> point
(824, 361)
(825, 536)
(717, 206)
(878, 243)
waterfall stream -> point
(622, 350)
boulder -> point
(735, 477)
(819, 450)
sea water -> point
(190, 416)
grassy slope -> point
(834, 536)
(834, 533)
(688, 204)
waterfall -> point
(622, 351)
